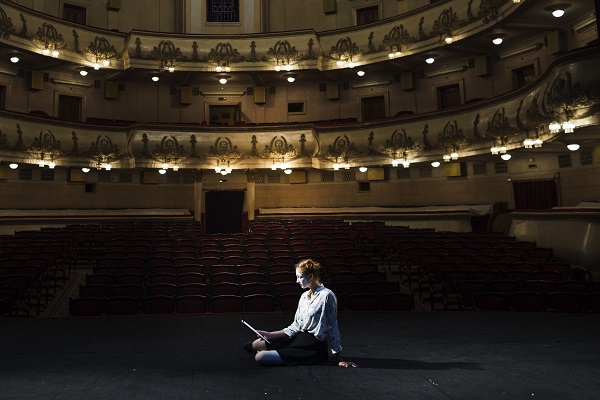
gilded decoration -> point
(399, 144)
(344, 50)
(282, 52)
(3, 141)
(564, 96)
(223, 149)
(166, 53)
(278, 149)
(342, 149)
(49, 38)
(489, 9)
(446, 23)
(45, 145)
(397, 38)
(101, 49)
(452, 137)
(168, 150)
(499, 127)
(103, 149)
(223, 54)
(6, 25)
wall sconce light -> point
(363, 169)
(287, 171)
(395, 53)
(568, 126)
(290, 77)
(360, 72)
(85, 170)
(223, 170)
(155, 78)
(13, 165)
(557, 10)
(435, 164)
(573, 146)
(14, 59)
(505, 157)
(162, 171)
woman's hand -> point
(347, 364)
(265, 334)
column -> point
(250, 194)
(198, 196)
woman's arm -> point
(273, 335)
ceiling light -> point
(14, 59)
(13, 165)
(448, 39)
(505, 157)
(106, 63)
(363, 169)
(51, 164)
(171, 69)
(155, 78)
(360, 72)
(435, 164)
(55, 53)
(554, 127)
(175, 167)
(573, 146)
(46, 52)
(278, 68)
(557, 10)
(85, 170)
(498, 39)
(430, 58)
(223, 79)
(96, 66)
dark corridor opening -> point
(224, 211)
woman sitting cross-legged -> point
(315, 324)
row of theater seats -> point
(460, 293)
(565, 302)
(33, 266)
(196, 304)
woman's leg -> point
(259, 345)
(268, 357)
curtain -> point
(535, 194)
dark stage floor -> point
(417, 355)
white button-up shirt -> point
(317, 316)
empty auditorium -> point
(299, 199)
